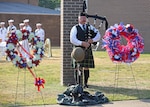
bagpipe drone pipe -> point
(90, 32)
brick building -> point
(22, 9)
(69, 12)
(32, 2)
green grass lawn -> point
(17, 85)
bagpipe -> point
(89, 32)
(80, 52)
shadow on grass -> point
(140, 94)
(128, 92)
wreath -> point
(123, 53)
(19, 60)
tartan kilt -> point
(88, 61)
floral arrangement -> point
(123, 53)
(12, 44)
(19, 60)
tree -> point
(52, 4)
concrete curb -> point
(129, 103)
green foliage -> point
(52, 4)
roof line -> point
(28, 13)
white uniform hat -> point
(2, 23)
(11, 20)
(26, 20)
(21, 24)
(38, 24)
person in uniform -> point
(11, 28)
(79, 38)
(25, 43)
(26, 25)
(40, 32)
(22, 42)
(3, 31)
(21, 26)
(3, 34)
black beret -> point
(82, 14)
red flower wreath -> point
(15, 57)
(123, 53)
(18, 59)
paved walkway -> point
(130, 103)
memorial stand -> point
(118, 78)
